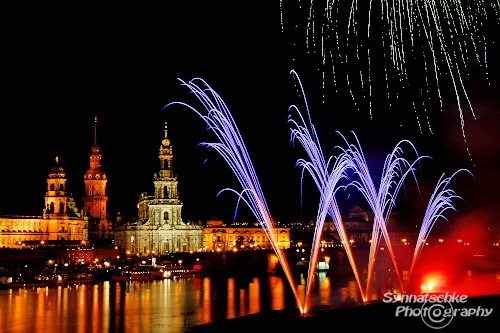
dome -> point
(57, 171)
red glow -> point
(454, 266)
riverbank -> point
(475, 313)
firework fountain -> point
(439, 202)
(347, 169)
(232, 148)
(351, 160)
(381, 201)
(327, 183)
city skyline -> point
(67, 65)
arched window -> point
(165, 192)
(52, 187)
(61, 207)
(165, 216)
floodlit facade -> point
(61, 220)
(238, 236)
(159, 228)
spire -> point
(95, 131)
(166, 142)
(165, 155)
(95, 156)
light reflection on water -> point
(156, 306)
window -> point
(61, 187)
(52, 187)
(165, 216)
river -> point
(155, 306)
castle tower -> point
(95, 198)
(56, 197)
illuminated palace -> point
(219, 237)
(61, 220)
(160, 227)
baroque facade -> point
(60, 221)
(159, 228)
(219, 237)
(359, 225)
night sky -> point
(62, 65)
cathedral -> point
(159, 228)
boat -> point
(132, 276)
(80, 278)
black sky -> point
(64, 64)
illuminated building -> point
(359, 226)
(240, 235)
(60, 220)
(95, 198)
(159, 227)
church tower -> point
(165, 182)
(160, 228)
(56, 197)
(166, 194)
(95, 198)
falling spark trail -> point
(414, 47)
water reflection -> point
(156, 306)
